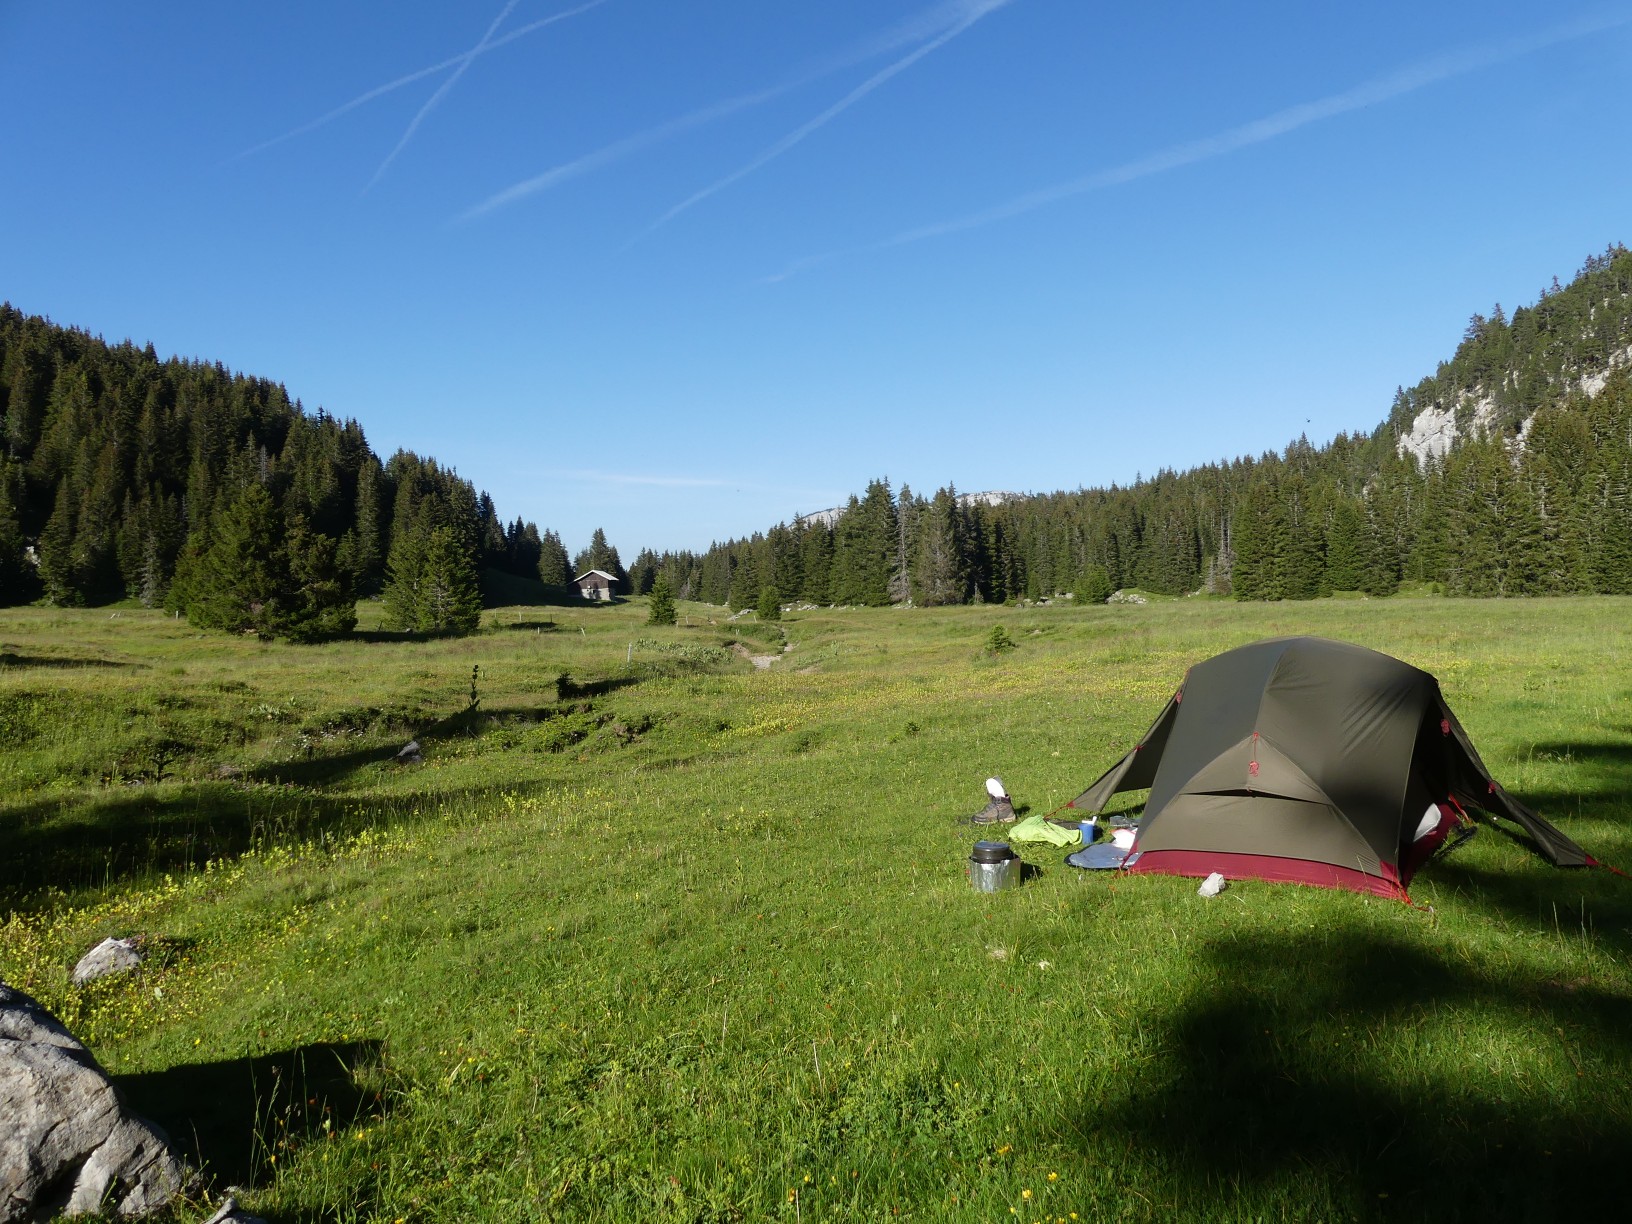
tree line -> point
(1540, 504)
(189, 487)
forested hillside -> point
(181, 484)
(1533, 498)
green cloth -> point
(1039, 829)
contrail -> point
(380, 91)
(1382, 89)
(442, 90)
(973, 12)
(925, 24)
(618, 150)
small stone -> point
(107, 958)
(410, 754)
(231, 1213)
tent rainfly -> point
(1310, 761)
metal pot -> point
(993, 865)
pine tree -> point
(368, 551)
(745, 583)
(240, 579)
(940, 578)
(604, 557)
(1094, 587)
(58, 572)
(769, 606)
(317, 602)
(450, 599)
(404, 571)
(552, 562)
(433, 582)
(17, 582)
(816, 562)
(662, 610)
(1345, 551)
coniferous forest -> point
(186, 486)
(211, 493)
(1534, 499)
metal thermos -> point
(992, 866)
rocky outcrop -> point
(67, 1144)
(1434, 430)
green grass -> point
(683, 940)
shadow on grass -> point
(376, 636)
(1265, 1093)
(8, 659)
(569, 688)
(228, 1118)
(90, 842)
(55, 847)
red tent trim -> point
(1267, 867)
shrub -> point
(1094, 587)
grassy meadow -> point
(656, 934)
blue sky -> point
(684, 270)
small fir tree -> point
(662, 607)
(237, 581)
(770, 605)
(1094, 587)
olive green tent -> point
(1311, 761)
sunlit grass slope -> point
(652, 934)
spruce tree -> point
(1345, 550)
(404, 571)
(745, 583)
(662, 610)
(16, 577)
(239, 580)
(553, 562)
(769, 607)
(56, 551)
(450, 599)
(1094, 587)
(940, 578)
(317, 601)
(433, 585)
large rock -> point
(67, 1144)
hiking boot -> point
(998, 811)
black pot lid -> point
(992, 852)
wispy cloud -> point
(1280, 123)
(443, 89)
(618, 150)
(379, 91)
(929, 23)
(972, 12)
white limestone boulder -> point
(68, 1145)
